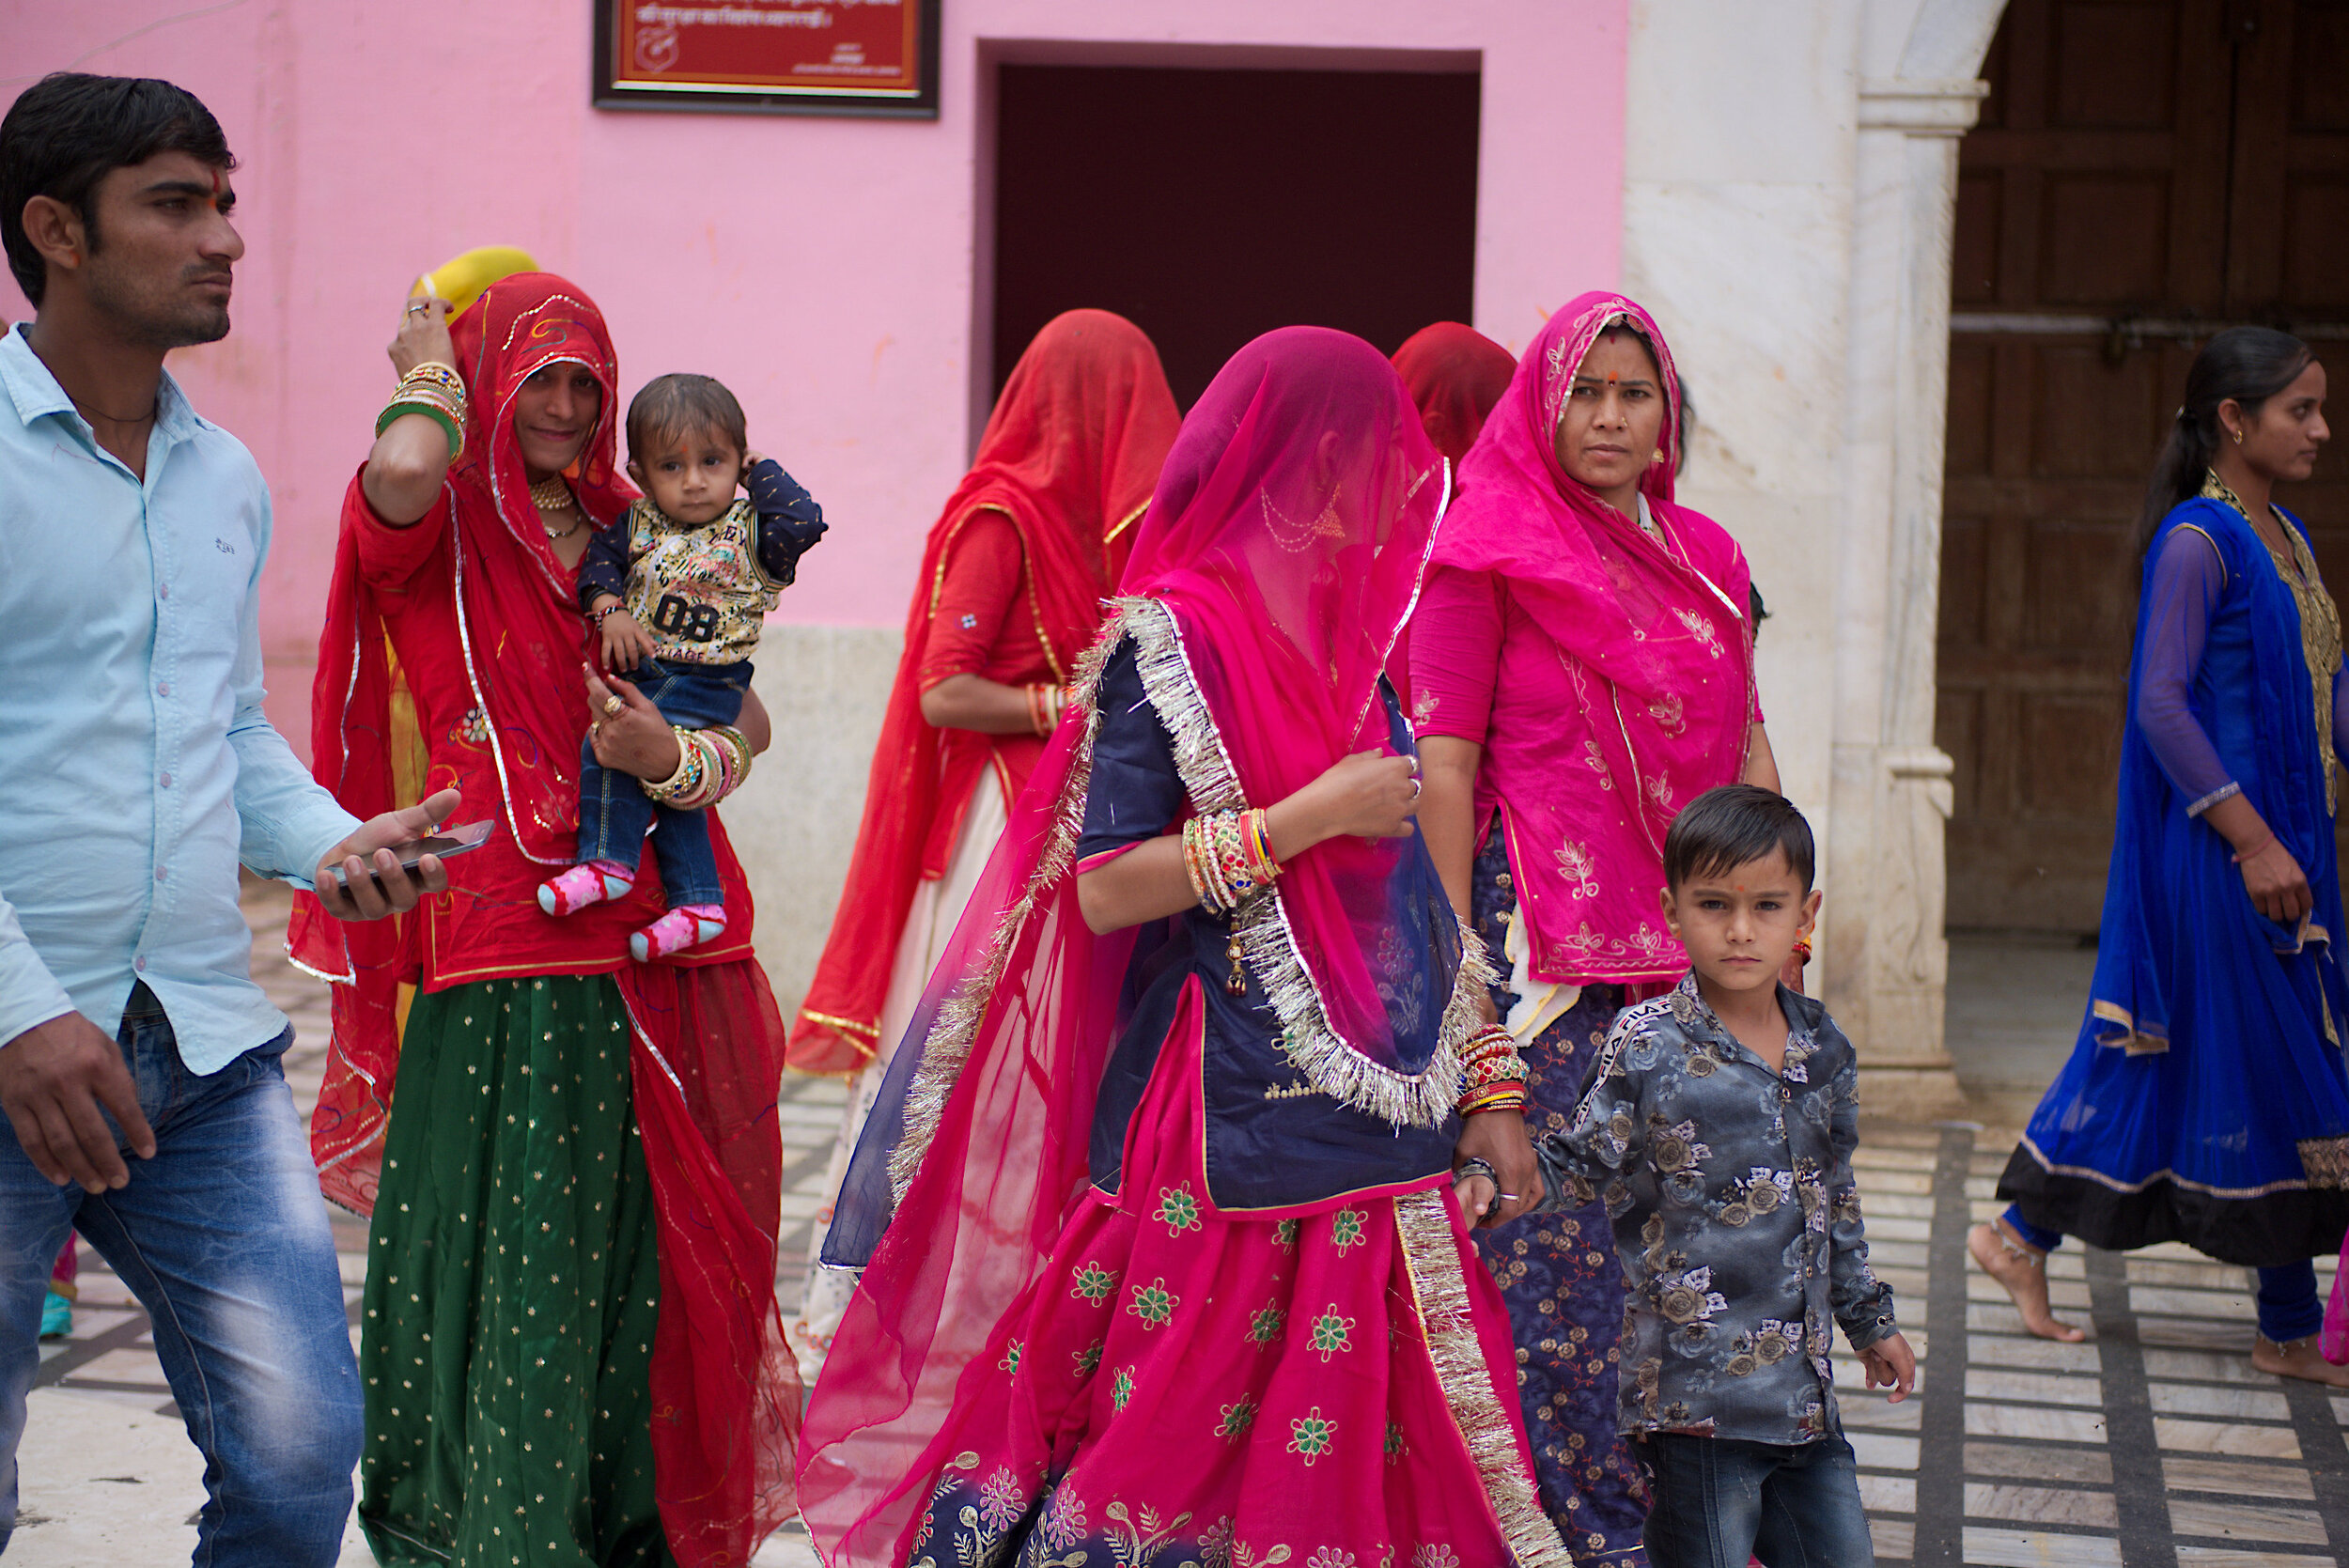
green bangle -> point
(398, 406)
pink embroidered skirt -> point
(1317, 1389)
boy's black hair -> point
(678, 404)
(1725, 827)
(71, 130)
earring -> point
(1659, 456)
(2238, 438)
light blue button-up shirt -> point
(137, 767)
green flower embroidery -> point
(1396, 1447)
(1178, 1211)
(1238, 1416)
(1311, 1435)
(1088, 1360)
(1121, 1388)
(1346, 1229)
(1285, 1231)
(1331, 1333)
(1094, 1284)
(1010, 1362)
(1154, 1304)
(1265, 1326)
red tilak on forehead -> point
(219, 178)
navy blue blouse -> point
(1273, 1142)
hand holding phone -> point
(389, 886)
(473, 835)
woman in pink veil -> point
(1163, 1166)
(1581, 668)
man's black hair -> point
(70, 129)
(1726, 828)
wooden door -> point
(2144, 172)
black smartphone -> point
(473, 835)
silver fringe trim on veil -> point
(1431, 1254)
(948, 1045)
(1268, 943)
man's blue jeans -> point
(1720, 1501)
(224, 1238)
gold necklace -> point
(551, 494)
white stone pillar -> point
(1886, 960)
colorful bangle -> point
(1508, 1097)
(1045, 703)
(400, 407)
(692, 765)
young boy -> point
(1721, 1121)
(679, 588)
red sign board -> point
(793, 56)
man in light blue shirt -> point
(139, 771)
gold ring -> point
(613, 703)
(594, 731)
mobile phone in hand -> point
(473, 835)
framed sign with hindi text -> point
(770, 56)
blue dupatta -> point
(2207, 1099)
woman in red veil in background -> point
(1455, 375)
(1009, 595)
(571, 1351)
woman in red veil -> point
(1009, 595)
(570, 1347)
(1162, 1260)
(1455, 374)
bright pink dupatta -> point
(1654, 679)
(1280, 557)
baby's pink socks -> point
(687, 926)
(592, 883)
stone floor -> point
(2154, 1445)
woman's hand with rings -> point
(629, 734)
(423, 337)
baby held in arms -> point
(678, 589)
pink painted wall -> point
(825, 268)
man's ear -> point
(1811, 910)
(57, 232)
(1671, 910)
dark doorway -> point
(1210, 206)
(2144, 172)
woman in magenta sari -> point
(1582, 666)
(1169, 1181)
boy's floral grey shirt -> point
(1736, 1215)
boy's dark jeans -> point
(613, 809)
(1720, 1501)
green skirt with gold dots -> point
(513, 1285)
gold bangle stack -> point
(435, 391)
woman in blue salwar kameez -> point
(2206, 1101)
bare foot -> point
(2297, 1358)
(2023, 1270)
